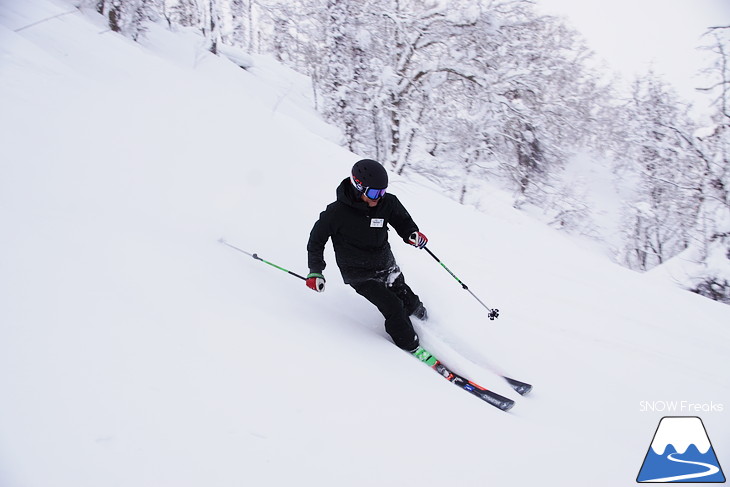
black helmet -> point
(369, 177)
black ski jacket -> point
(359, 234)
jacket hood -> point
(347, 195)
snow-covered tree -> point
(657, 148)
(711, 276)
(128, 17)
(237, 25)
(185, 13)
(468, 83)
(464, 91)
(510, 97)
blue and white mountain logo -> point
(681, 452)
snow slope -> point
(135, 350)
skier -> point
(358, 224)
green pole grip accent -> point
(279, 267)
(272, 264)
(453, 275)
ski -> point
(500, 402)
(522, 388)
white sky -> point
(634, 34)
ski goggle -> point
(374, 194)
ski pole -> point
(262, 260)
(493, 313)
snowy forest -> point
(467, 92)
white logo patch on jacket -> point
(377, 222)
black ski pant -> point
(396, 302)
